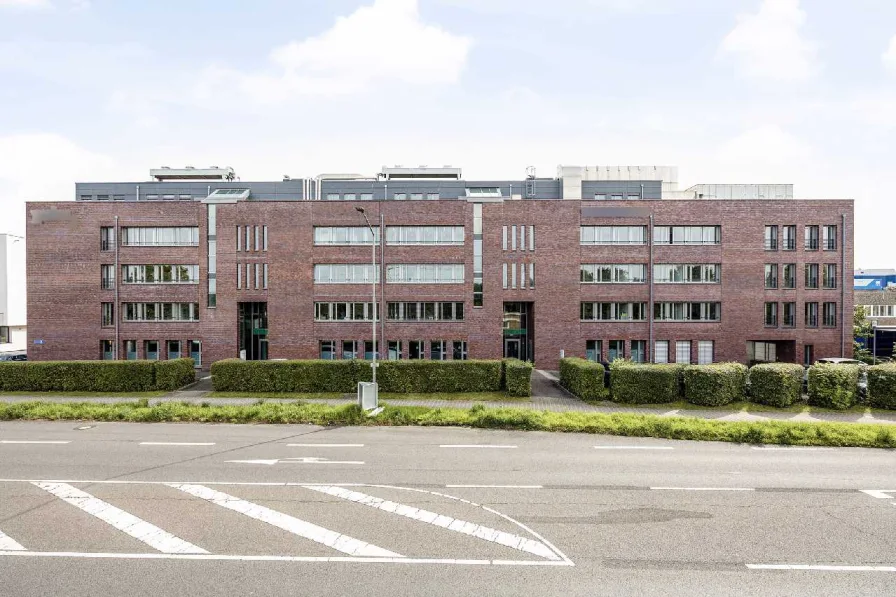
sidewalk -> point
(547, 395)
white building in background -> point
(13, 336)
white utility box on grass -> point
(368, 395)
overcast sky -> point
(739, 91)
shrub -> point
(517, 377)
(882, 386)
(776, 384)
(715, 385)
(77, 376)
(644, 383)
(314, 376)
(833, 386)
(584, 379)
(174, 374)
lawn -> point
(50, 395)
(799, 407)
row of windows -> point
(151, 350)
(425, 273)
(635, 273)
(613, 235)
(255, 272)
(513, 236)
(344, 311)
(613, 311)
(880, 310)
(155, 274)
(256, 238)
(369, 196)
(703, 311)
(147, 236)
(395, 235)
(428, 311)
(592, 273)
(616, 196)
(662, 235)
(594, 351)
(810, 238)
(160, 311)
(439, 350)
(810, 270)
(166, 197)
(526, 275)
(788, 311)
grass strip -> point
(53, 394)
(622, 424)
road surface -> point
(177, 509)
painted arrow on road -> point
(303, 460)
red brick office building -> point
(198, 264)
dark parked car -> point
(14, 356)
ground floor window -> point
(173, 349)
(593, 350)
(415, 349)
(459, 352)
(616, 350)
(705, 352)
(327, 350)
(130, 350)
(395, 350)
(639, 351)
(107, 350)
(151, 349)
(661, 351)
(349, 349)
(808, 355)
(683, 351)
(196, 352)
(437, 350)
(369, 349)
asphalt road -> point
(119, 509)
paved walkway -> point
(547, 395)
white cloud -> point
(385, 41)
(889, 57)
(25, 3)
(765, 147)
(769, 44)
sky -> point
(737, 91)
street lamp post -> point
(373, 288)
(874, 342)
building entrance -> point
(518, 331)
(253, 327)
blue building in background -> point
(873, 279)
(875, 291)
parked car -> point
(863, 374)
(14, 356)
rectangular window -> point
(513, 275)
(810, 238)
(425, 273)
(531, 275)
(522, 238)
(265, 243)
(173, 349)
(248, 238)
(130, 350)
(160, 274)
(771, 238)
(108, 314)
(789, 315)
(394, 347)
(432, 196)
(771, 315)
(771, 275)
(107, 238)
(829, 238)
(503, 238)
(151, 350)
(788, 238)
(600, 196)
(504, 279)
(415, 349)
(683, 351)
(703, 311)
(613, 235)
(345, 273)
(628, 273)
(811, 315)
(257, 238)
(332, 196)
(613, 311)
(808, 355)
(789, 275)
(349, 349)
(477, 256)
(160, 311)
(829, 275)
(107, 350)
(184, 236)
(687, 235)
(829, 314)
(416, 196)
(593, 350)
(328, 350)
(345, 235)
(239, 239)
(690, 273)
(459, 350)
(705, 352)
(400, 196)
(369, 350)
(349, 197)
(424, 235)
(107, 277)
(265, 276)
(531, 238)
(437, 350)
(366, 196)
(661, 351)
(639, 351)
(811, 275)
(239, 276)
(616, 350)
(513, 238)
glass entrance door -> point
(511, 348)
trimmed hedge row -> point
(637, 383)
(517, 377)
(716, 384)
(95, 376)
(583, 378)
(314, 376)
(882, 386)
(833, 386)
(776, 384)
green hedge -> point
(417, 376)
(776, 384)
(77, 376)
(882, 386)
(716, 384)
(584, 379)
(637, 383)
(174, 374)
(517, 376)
(833, 386)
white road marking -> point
(633, 448)
(303, 460)
(7, 543)
(177, 443)
(337, 541)
(452, 524)
(705, 488)
(822, 567)
(790, 448)
(475, 446)
(325, 445)
(128, 523)
(24, 441)
(248, 558)
(881, 494)
(494, 486)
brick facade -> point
(64, 291)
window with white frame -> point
(160, 274)
(425, 311)
(145, 236)
(880, 310)
(345, 235)
(661, 351)
(702, 311)
(613, 311)
(483, 192)
(424, 235)
(683, 351)
(626, 273)
(613, 235)
(425, 273)
(345, 273)
(160, 311)
(343, 311)
(687, 235)
(689, 273)
(705, 352)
